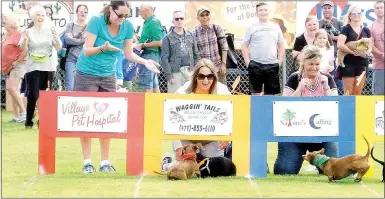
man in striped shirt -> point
(208, 36)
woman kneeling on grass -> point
(307, 81)
(204, 81)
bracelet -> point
(143, 45)
(100, 48)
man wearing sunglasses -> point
(212, 43)
(151, 32)
(179, 53)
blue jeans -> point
(289, 159)
(378, 82)
(70, 75)
(119, 67)
(147, 78)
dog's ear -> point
(195, 147)
(322, 151)
(304, 156)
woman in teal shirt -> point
(106, 35)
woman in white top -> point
(40, 40)
(204, 81)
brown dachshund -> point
(187, 167)
(339, 168)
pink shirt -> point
(377, 32)
(318, 89)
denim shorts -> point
(147, 78)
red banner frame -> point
(48, 102)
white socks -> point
(87, 161)
(102, 163)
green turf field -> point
(20, 178)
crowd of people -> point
(97, 57)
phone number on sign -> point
(197, 128)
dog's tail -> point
(160, 173)
(367, 143)
(375, 159)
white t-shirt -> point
(327, 56)
(220, 90)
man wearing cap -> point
(208, 36)
(333, 26)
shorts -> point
(18, 71)
(352, 70)
(91, 83)
(147, 78)
(266, 75)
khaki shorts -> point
(18, 71)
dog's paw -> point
(357, 180)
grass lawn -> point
(20, 178)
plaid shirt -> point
(207, 43)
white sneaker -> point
(22, 117)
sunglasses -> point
(179, 19)
(120, 15)
(204, 15)
(201, 76)
(356, 13)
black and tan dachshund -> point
(380, 162)
(215, 166)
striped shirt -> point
(207, 42)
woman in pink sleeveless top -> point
(13, 64)
(307, 81)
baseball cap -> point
(330, 3)
(201, 10)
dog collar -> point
(189, 156)
(206, 165)
(320, 160)
(202, 162)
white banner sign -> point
(198, 117)
(305, 118)
(379, 117)
(92, 114)
(341, 8)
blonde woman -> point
(12, 64)
(308, 37)
(40, 40)
(204, 80)
(355, 62)
(307, 81)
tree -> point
(289, 115)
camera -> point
(331, 29)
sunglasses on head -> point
(120, 15)
(179, 19)
(201, 76)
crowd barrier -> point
(250, 122)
